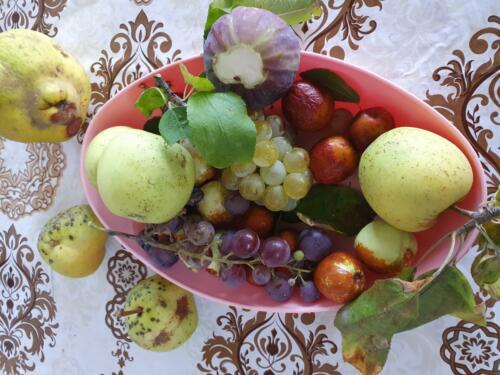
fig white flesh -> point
(253, 52)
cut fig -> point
(254, 53)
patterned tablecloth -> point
(447, 52)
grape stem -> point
(179, 250)
(165, 87)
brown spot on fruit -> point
(162, 338)
(182, 309)
(162, 303)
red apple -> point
(307, 107)
(333, 160)
(368, 125)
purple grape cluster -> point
(269, 259)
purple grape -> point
(275, 252)
(227, 237)
(196, 197)
(309, 292)
(200, 233)
(279, 289)
(233, 276)
(163, 258)
(236, 204)
(245, 243)
(145, 246)
(261, 275)
(315, 244)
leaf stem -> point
(477, 218)
(172, 96)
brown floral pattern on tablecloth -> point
(27, 308)
(262, 343)
(473, 106)
(340, 26)
(142, 2)
(472, 350)
(37, 15)
(139, 48)
(32, 187)
(124, 272)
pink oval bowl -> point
(407, 110)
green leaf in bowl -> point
(151, 99)
(200, 84)
(174, 125)
(220, 128)
(338, 208)
(331, 81)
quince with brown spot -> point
(44, 91)
(160, 316)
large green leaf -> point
(331, 81)
(337, 208)
(392, 306)
(291, 11)
(220, 128)
(174, 125)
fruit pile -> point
(278, 174)
(227, 185)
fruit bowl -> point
(407, 110)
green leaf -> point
(220, 128)
(331, 81)
(291, 11)
(407, 273)
(391, 306)
(151, 99)
(200, 84)
(214, 13)
(337, 208)
(174, 125)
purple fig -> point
(254, 53)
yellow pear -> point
(44, 91)
(410, 175)
(70, 245)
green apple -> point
(142, 178)
(69, 245)
(97, 147)
(384, 248)
(410, 175)
(160, 315)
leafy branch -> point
(399, 304)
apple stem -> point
(172, 96)
(123, 313)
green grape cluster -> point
(278, 175)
